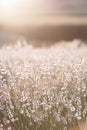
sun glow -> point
(17, 11)
(8, 3)
(8, 8)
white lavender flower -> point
(43, 88)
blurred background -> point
(42, 21)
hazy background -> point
(43, 20)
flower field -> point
(43, 88)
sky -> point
(15, 12)
(75, 7)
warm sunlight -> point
(8, 8)
(11, 4)
(8, 3)
(21, 10)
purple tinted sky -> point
(26, 11)
(65, 6)
(74, 7)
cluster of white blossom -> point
(43, 88)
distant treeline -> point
(56, 33)
(50, 34)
